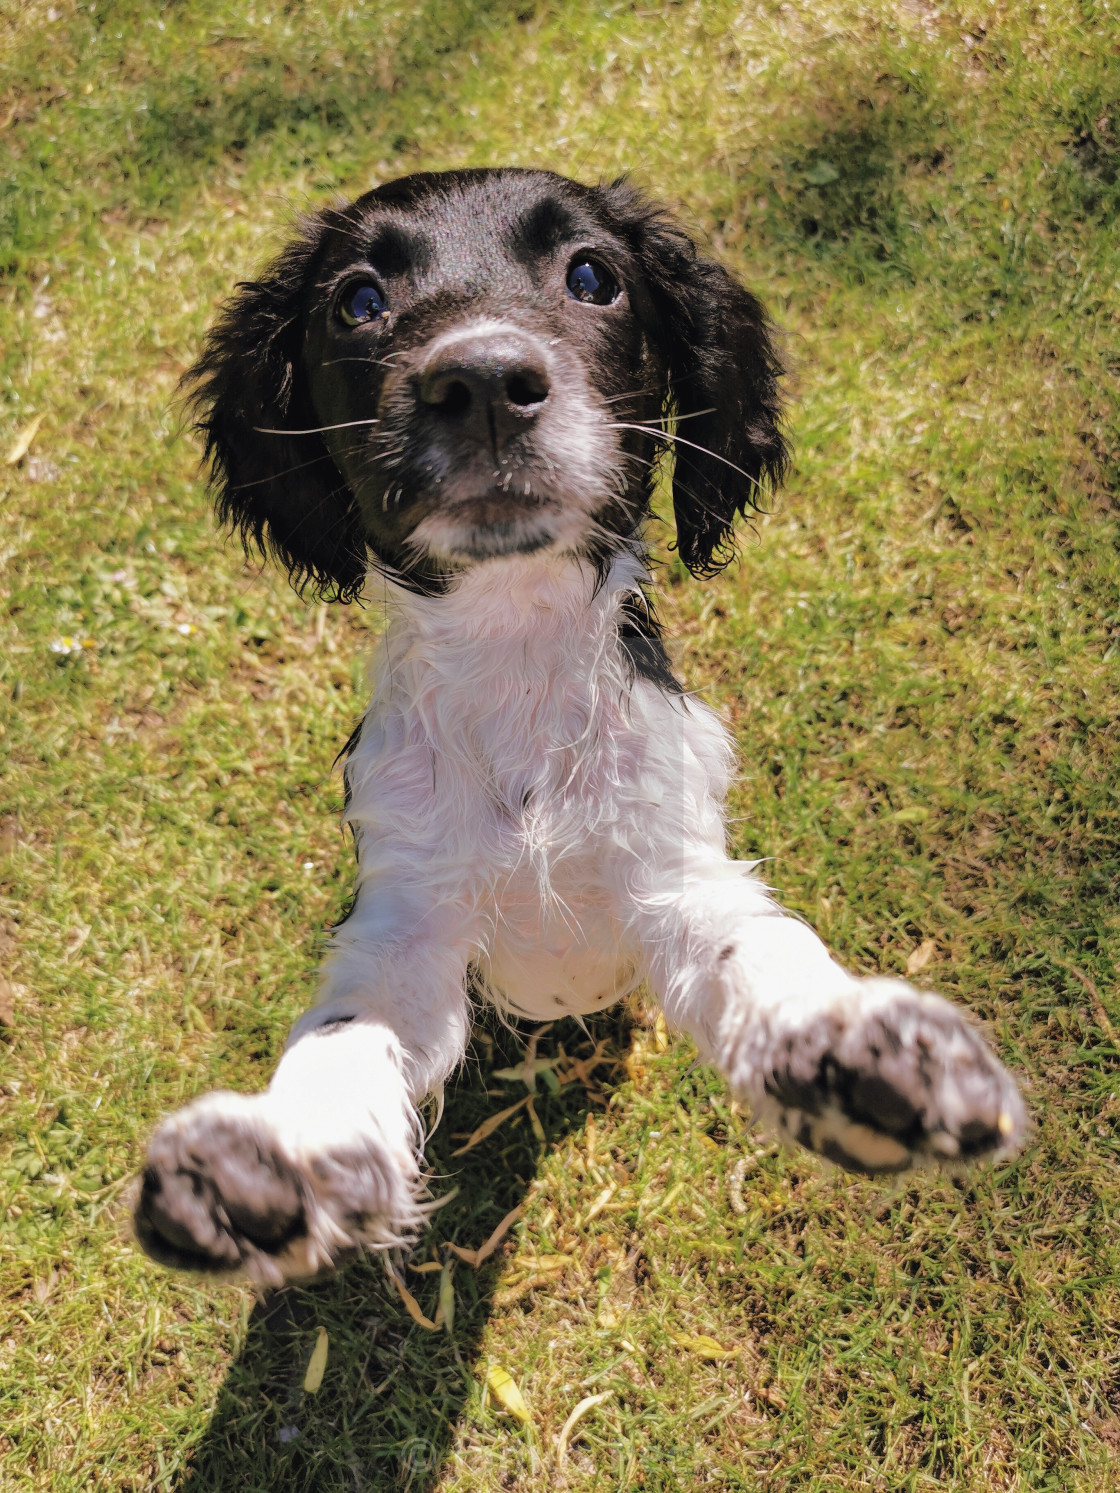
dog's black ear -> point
(723, 382)
(281, 492)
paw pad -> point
(218, 1198)
(889, 1079)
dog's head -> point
(478, 363)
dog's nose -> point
(488, 385)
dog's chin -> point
(488, 528)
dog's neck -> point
(518, 664)
(542, 598)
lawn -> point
(919, 650)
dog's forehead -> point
(473, 226)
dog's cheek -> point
(615, 358)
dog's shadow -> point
(393, 1390)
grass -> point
(920, 652)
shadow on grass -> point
(393, 1390)
(844, 174)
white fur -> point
(525, 807)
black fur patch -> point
(639, 633)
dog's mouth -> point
(499, 504)
(517, 518)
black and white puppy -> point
(461, 383)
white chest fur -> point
(512, 777)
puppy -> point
(458, 388)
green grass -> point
(920, 652)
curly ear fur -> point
(723, 377)
(282, 493)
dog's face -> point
(475, 355)
(475, 364)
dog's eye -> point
(361, 303)
(589, 280)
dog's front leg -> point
(871, 1073)
(326, 1161)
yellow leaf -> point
(411, 1305)
(660, 1033)
(534, 1120)
(509, 1294)
(488, 1127)
(601, 1202)
(921, 956)
(915, 814)
(703, 1346)
(544, 1264)
(577, 1415)
(735, 1179)
(634, 1061)
(475, 1257)
(429, 1268)
(661, 1208)
(22, 443)
(317, 1364)
(502, 1386)
(446, 1313)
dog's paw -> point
(887, 1078)
(222, 1192)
